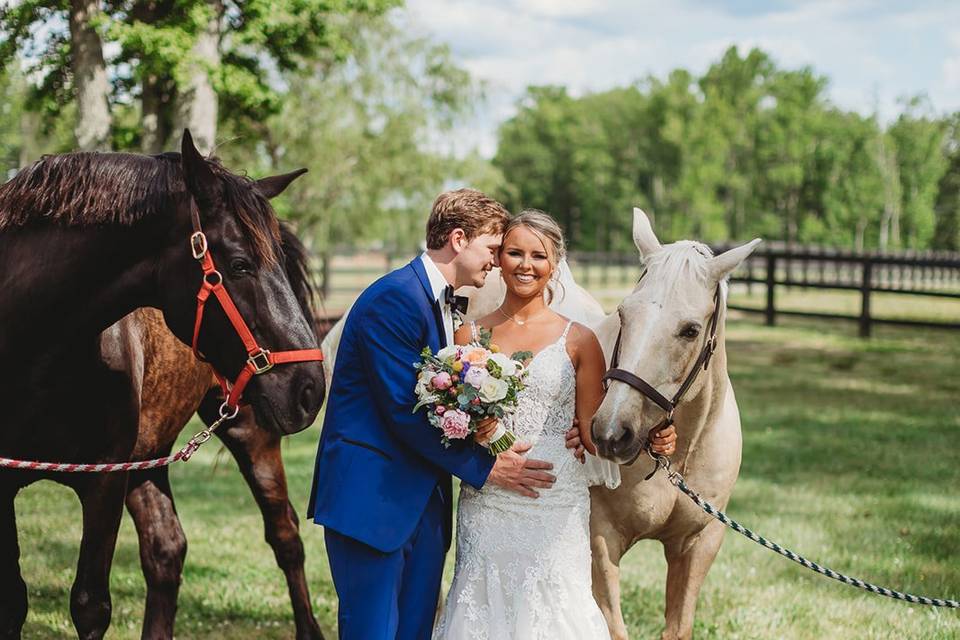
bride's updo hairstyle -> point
(546, 228)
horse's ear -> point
(643, 235)
(723, 265)
(274, 185)
(197, 174)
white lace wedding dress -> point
(523, 564)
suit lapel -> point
(421, 272)
(438, 316)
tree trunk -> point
(197, 102)
(29, 134)
(90, 76)
(156, 101)
(890, 173)
(860, 237)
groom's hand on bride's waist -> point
(515, 472)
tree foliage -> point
(746, 149)
(370, 129)
(151, 41)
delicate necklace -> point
(519, 322)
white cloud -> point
(562, 8)
(951, 73)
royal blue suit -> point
(382, 485)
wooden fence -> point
(776, 266)
(773, 268)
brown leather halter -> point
(259, 360)
(669, 405)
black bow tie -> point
(456, 303)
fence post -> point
(325, 275)
(865, 287)
(771, 311)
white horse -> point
(657, 323)
(663, 325)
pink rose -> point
(455, 424)
(441, 381)
(440, 409)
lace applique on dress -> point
(523, 564)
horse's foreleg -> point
(163, 547)
(101, 498)
(258, 454)
(688, 561)
(13, 601)
(607, 547)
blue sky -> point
(873, 52)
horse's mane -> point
(90, 188)
(677, 264)
(297, 265)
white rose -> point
(476, 376)
(493, 390)
(449, 352)
(508, 366)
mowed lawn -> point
(851, 457)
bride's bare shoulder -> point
(582, 341)
(463, 335)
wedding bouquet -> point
(463, 385)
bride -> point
(523, 562)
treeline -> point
(351, 91)
(747, 149)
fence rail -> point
(772, 267)
(775, 266)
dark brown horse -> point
(172, 386)
(84, 240)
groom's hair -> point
(466, 209)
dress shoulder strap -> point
(474, 334)
(567, 329)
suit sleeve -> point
(392, 338)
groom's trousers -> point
(388, 596)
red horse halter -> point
(259, 360)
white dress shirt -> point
(438, 284)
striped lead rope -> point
(677, 480)
(226, 413)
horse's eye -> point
(239, 266)
(690, 332)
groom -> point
(382, 484)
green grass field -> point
(851, 457)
